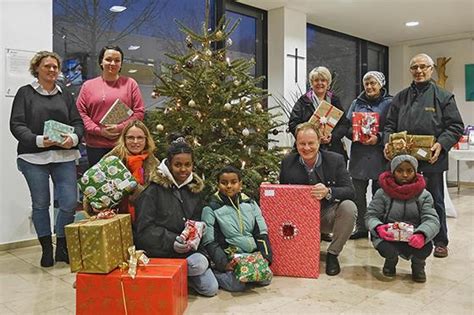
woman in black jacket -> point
(174, 196)
(320, 79)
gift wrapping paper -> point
(364, 125)
(401, 231)
(117, 113)
(53, 129)
(106, 183)
(252, 268)
(293, 220)
(160, 287)
(325, 117)
(100, 245)
(418, 146)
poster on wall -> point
(17, 71)
(470, 82)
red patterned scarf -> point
(135, 166)
(402, 192)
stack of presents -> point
(112, 277)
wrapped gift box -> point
(252, 268)
(325, 117)
(418, 146)
(292, 217)
(401, 231)
(106, 183)
(161, 287)
(117, 113)
(99, 246)
(53, 129)
(364, 125)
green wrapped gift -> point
(100, 245)
(53, 129)
(252, 268)
(106, 183)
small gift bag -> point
(251, 268)
(325, 117)
(401, 231)
(192, 233)
(364, 125)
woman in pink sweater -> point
(98, 95)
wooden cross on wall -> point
(296, 62)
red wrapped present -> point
(292, 217)
(161, 287)
(325, 117)
(364, 125)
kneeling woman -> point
(172, 197)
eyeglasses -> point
(422, 67)
(133, 139)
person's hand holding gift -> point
(383, 233)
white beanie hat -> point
(399, 159)
(378, 76)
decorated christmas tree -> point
(218, 106)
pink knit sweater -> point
(96, 97)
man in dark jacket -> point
(332, 186)
(426, 109)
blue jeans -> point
(229, 282)
(64, 179)
(200, 276)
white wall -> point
(24, 25)
(460, 48)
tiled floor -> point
(25, 288)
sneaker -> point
(359, 234)
(440, 251)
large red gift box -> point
(364, 125)
(161, 287)
(292, 217)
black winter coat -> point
(426, 110)
(304, 109)
(161, 212)
(332, 173)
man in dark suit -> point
(332, 186)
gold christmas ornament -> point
(227, 106)
(245, 132)
(192, 103)
(219, 35)
(258, 107)
(236, 82)
(155, 94)
(160, 127)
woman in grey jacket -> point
(403, 198)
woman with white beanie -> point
(366, 158)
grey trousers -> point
(339, 219)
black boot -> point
(389, 267)
(61, 250)
(418, 269)
(47, 248)
(332, 265)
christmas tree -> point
(218, 106)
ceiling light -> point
(413, 23)
(117, 8)
(133, 47)
(132, 70)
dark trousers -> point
(435, 185)
(95, 154)
(360, 186)
(394, 249)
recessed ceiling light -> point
(133, 47)
(117, 8)
(132, 70)
(413, 23)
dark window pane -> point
(337, 53)
(243, 38)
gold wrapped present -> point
(418, 146)
(325, 117)
(100, 245)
